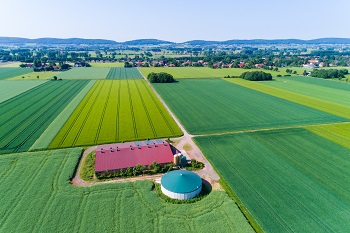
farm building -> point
(181, 184)
(113, 157)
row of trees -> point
(329, 73)
(256, 76)
(161, 77)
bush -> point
(160, 77)
(256, 76)
(279, 75)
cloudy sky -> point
(177, 21)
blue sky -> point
(177, 21)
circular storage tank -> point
(181, 184)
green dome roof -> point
(181, 181)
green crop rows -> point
(124, 73)
(12, 72)
(338, 94)
(114, 111)
(24, 117)
(85, 73)
(289, 180)
(9, 89)
(36, 197)
(213, 105)
(326, 106)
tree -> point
(305, 73)
(37, 77)
(161, 77)
(55, 78)
(256, 76)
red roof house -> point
(113, 157)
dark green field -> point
(289, 180)
(24, 117)
(213, 105)
(124, 73)
(36, 197)
(12, 72)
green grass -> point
(34, 76)
(124, 73)
(338, 133)
(205, 72)
(9, 89)
(327, 93)
(88, 168)
(12, 72)
(36, 197)
(106, 64)
(85, 73)
(213, 106)
(52, 130)
(115, 111)
(26, 116)
(289, 180)
(326, 106)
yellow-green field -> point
(205, 72)
(34, 76)
(338, 133)
(10, 64)
(106, 64)
(326, 106)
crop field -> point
(327, 93)
(334, 84)
(213, 106)
(85, 73)
(205, 72)
(106, 64)
(338, 133)
(9, 89)
(34, 76)
(124, 73)
(10, 64)
(36, 197)
(289, 180)
(12, 72)
(319, 104)
(24, 117)
(115, 111)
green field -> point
(85, 73)
(115, 111)
(338, 133)
(36, 197)
(24, 117)
(124, 73)
(312, 89)
(34, 76)
(12, 72)
(326, 106)
(9, 89)
(106, 64)
(289, 180)
(56, 125)
(10, 64)
(205, 72)
(213, 105)
(334, 84)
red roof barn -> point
(118, 156)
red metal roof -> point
(108, 157)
